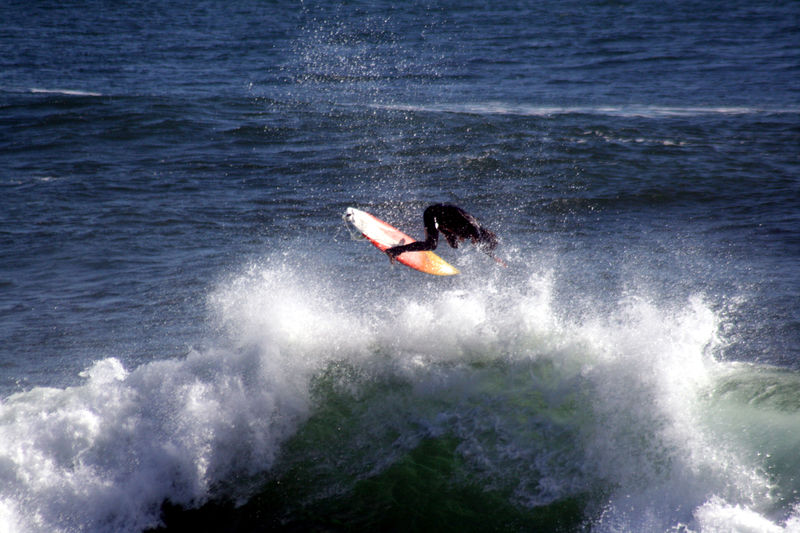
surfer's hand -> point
(392, 254)
(499, 261)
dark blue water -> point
(191, 339)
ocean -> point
(192, 340)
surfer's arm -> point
(498, 260)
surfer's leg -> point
(418, 246)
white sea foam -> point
(717, 516)
(103, 455)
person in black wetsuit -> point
(456, 225)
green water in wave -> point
(345, 471)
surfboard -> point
(383, 235)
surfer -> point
(456, 225)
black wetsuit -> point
(455, 224)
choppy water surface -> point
(192, 339)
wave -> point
(629, 410)
(65, 92)
(626, 111)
